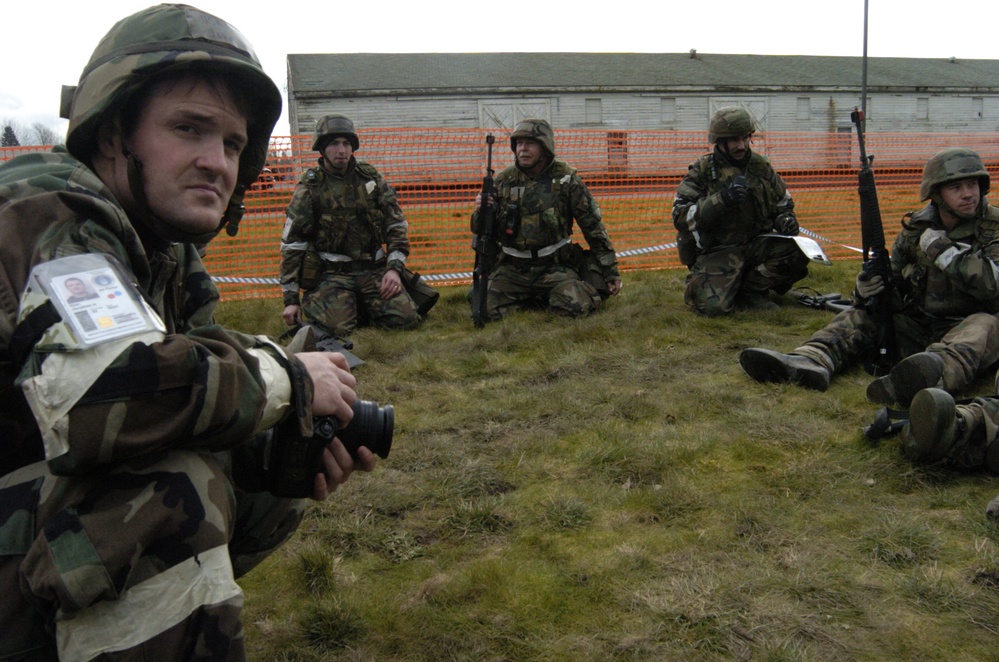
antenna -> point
(863, 78)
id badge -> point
(95, 298)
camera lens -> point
(371, 426)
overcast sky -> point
(45, 45)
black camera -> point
(295, 460)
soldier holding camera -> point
(727, 208)
(134, 483)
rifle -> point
(876, 258)
(484, 241)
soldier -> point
(344, 242)
(727, 203)
(539, 266)
(132, 435)
(945, 266)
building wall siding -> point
(687, 111)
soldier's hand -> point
(337, 467)
(614, 286)
(869, 286)
(932, 243)
(787, 224)
(391, 284)
(292, 314)
(332, 384)
(478, 200)
(736, 193)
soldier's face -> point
(188, 137)
(961, 196)
(737, 147)
(529, 153)
(338, 153)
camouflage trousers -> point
(718, 277)
(136, 562)
(968, 347)
(343, 301)
(520, 284)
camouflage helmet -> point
(950, 165)
(329, 127)
(539, 130)
(166, 39)
(730, 122)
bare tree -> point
(35, 134)
(43, 135)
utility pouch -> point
(588, 267)
(312, 270)
(686, 246)
(424, 296)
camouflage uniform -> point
(947, 297)
(946, 308)
(345, 220)
(123, 518)
(539, 265)
(722, 245)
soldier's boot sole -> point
(992, 510)
(932, 428)
(910, 376)
(765, 365)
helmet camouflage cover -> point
(534, 129)
(730, 122)
(950, 165)
(329, 127)
(170, 38)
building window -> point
(978, 108)
(804, 108)
(922, 108)
(667, 110)
(594, 111)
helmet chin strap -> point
(941, 205)
(144, 214)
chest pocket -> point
(542, 218)
(349, 223)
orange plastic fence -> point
(633, 174)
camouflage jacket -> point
(341, 217)
(955, 276)
(194, 386)
(534, 213)
(699, 212)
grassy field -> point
(616, 488)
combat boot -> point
(755, 301)
(992, 510)
(934, 426)
(765, 365)
(909, 376)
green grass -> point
(616, 488)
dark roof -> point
(364, 74)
